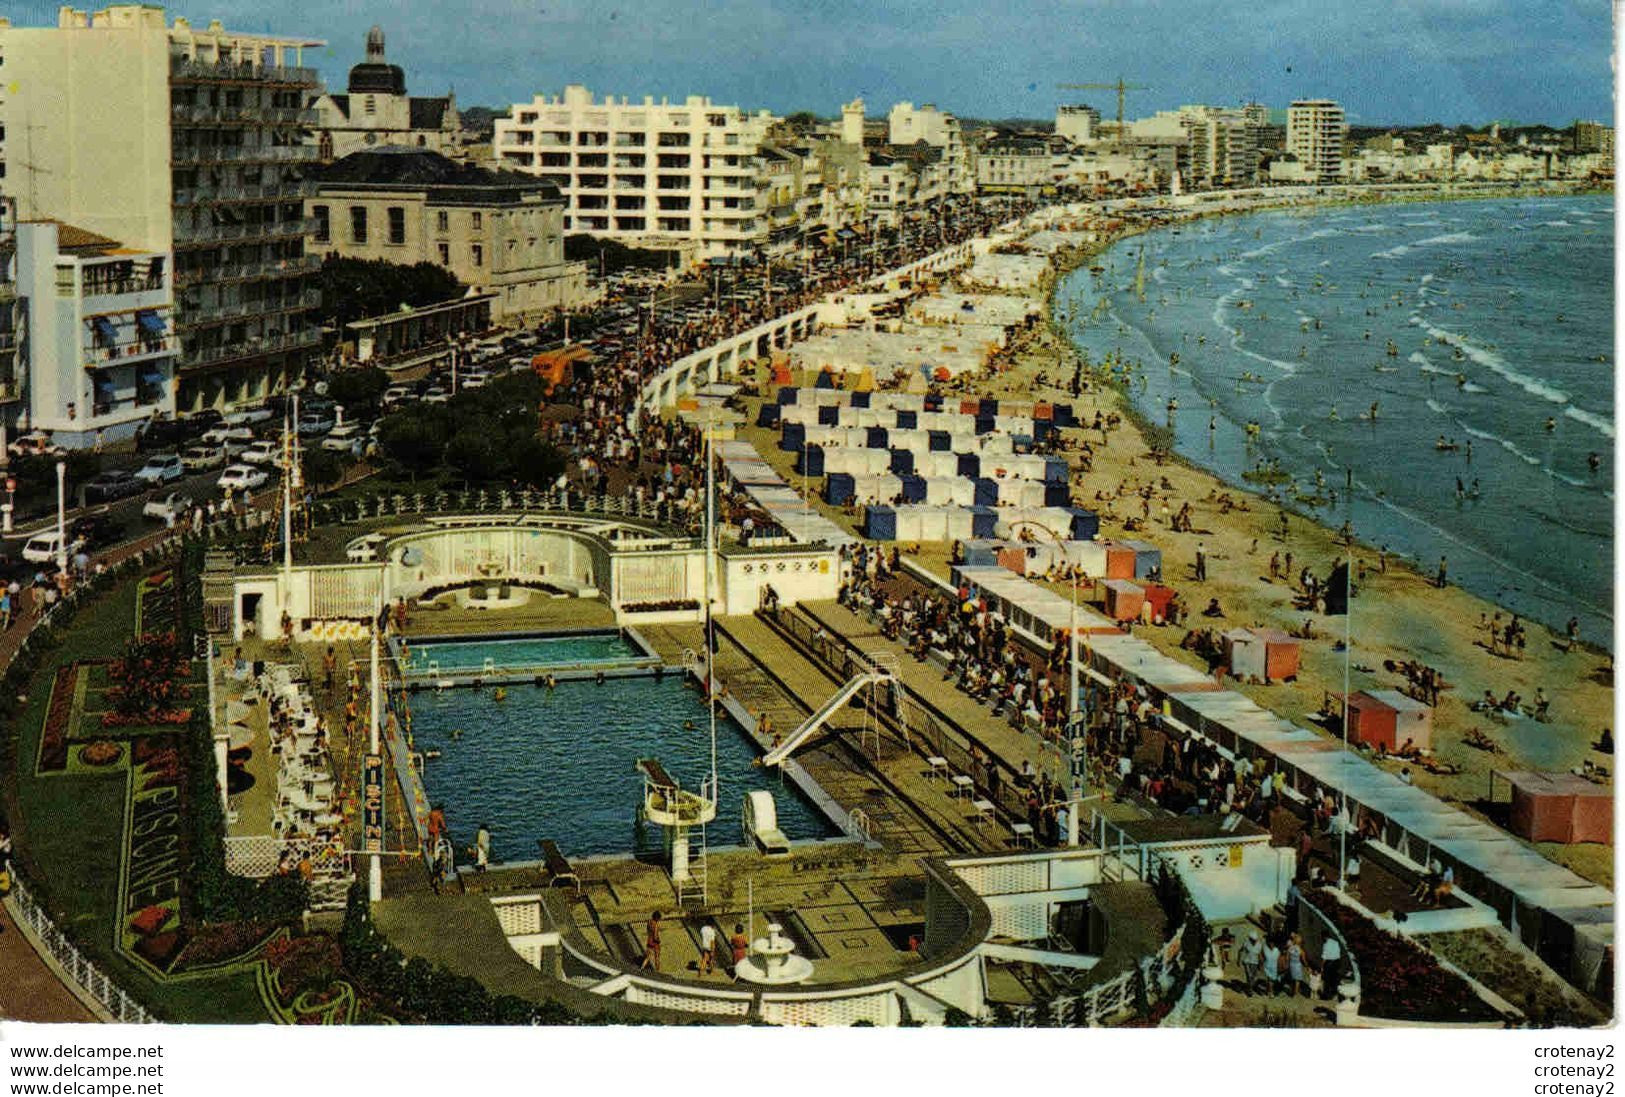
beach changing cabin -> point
(1123, 599)
(1264, 654)
(1386, 718)
(1559, 807)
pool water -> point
(525, 651)
(560, 764)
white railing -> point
(87, 977)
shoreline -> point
(1398, 614)
(1147, 426)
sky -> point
(1386, 61)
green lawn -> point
(71, 827)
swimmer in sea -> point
(551, 682)
(501, 694)
(1551, 423)
(1595, 461)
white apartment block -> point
(188, 142)
(98, 357)
(1315, 129)
(909, 125)
(1078, 124)
(645, 172)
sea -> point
(1446, 368)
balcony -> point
(243, 154)
(125, 353)
(238, 272)
(99, 284)
(184, 115)
(182, 70)
(287, 190)
(212, 234)
(277, 343)
(207, 314)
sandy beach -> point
(1398, 614)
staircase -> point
(849, 689)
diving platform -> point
(874, 676)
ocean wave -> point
(1447, 238)
(1534, 386)
(1437, 408)
(1505, 443)
(1555, 224)
(1470, 387)
(1590, 419)
(1426, 278)
(1392, 253)
(1282, 282)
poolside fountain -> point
(773, 961)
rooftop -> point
(405, 168)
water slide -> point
(818, 719)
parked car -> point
(201, 458)
(170, 508)
(348, 438)
(398, 394)
(163, 468)
(165, 433)
(42, 548)
(228, 436)
(313, 423)
(94, 530)
(242, 478)
(248, 417)
(35, 444)
(437, 395)
(263, 452)
(473, 379)
(107, 487)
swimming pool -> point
(560, 764)
(524, 652)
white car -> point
(473, 380)
(171, 508)
(364, 550)
(42, 548)
(202, 458)
(348, 438)
(263, 452)
(396, 394)
(35, 444)
(247, 417)
(161, 469)
(437, 396)
(242, 478)
(228, 436)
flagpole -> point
(1348, 655)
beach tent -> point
(984, 521)
(968, 464)
(792, 437)
(865, 381)
(787, 393)
(902, 462)
(1158, 597)
(1387, 718)
(1262, 654)
(981, 553)
(1123, 599)
(917, 383)
(1119, 563)
(1559, 807)
(830, 416)
(768, 415)
(1013, 558)
(906, 420)
(781, 371)
(1147, 557)
(864, 399)
(840, 489)
(810, 461)
(880, 523)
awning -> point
(150, 322)
(102, 382)
(105, 331)
(152, 375)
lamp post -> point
(62, 516)
(10, 507)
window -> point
(371, 105)
(445, 254)
(397, 225)
(479, 254)
(323, 227)
(478, 219)
(358, 224)
(442, 221)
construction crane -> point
(1120, 87)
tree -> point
(414, 438)
(357, 387)
(323, 468)
(356, 288)
(477, 454)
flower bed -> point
(103, 752)
(53, 748)
(153, 719)
(1400, 980)
(674, 605)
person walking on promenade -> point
(1443, 572)
(1201, 562)
(1252, 960)
(651, 944)
(708, 949)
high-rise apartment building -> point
(645, 171)
(1078, 123)
(1315, 129)
(909, 125)
(188, 142)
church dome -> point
(375, 75)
